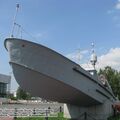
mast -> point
(93, 59)
(14, 20)
(78, 56)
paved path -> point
(7, 118)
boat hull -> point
(49, 88)
(45, 73)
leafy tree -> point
(11, 96)
(21, 94)
(113, 77)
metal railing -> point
(24, 112)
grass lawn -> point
(56, 118)
(42, 118)
(114, 118)
(59, 117)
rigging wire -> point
(30, 35)
(20, 30)
(14, 23)
(17, 29)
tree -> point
(113, 77)
(21, 94)
(11, 96)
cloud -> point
(115, 13)
(77, 56)
(84, 52)
(117, 6)
(111, 58)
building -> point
(5, 81)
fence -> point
(23, 112)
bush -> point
(114, 117)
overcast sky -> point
(65, 26)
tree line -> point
(113, 77)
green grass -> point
(30, 118)
(114, 118)
(59, 117)
(42, 118)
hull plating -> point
(45, 73)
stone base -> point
(98, 112)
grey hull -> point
(45, 73)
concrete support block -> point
(98, 112)
(73, 112)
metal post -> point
(46, 117)
(85, 115)
(60, 109)
(49, 110)
(15, 114)
(34, 112)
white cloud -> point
(118, 5)
(87, 66)
(111, 58)
(40, 35)
(77, 55)
(115, 13)
(84, 52)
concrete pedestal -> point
(96, 112)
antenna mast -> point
(93, 59)
(14, 20)
(78, 56)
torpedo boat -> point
(43, 72)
